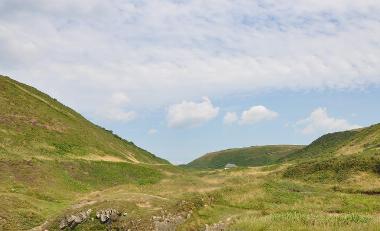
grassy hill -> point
(32, 124)
(250, 156)
(332, 157)
(338, 156)
(341, 143)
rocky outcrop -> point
(72, 221)
(106, 216)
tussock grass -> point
(303, 221)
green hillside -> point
(34, 125)
(50, 156)
(250, 156)
(341, 143)
(338, 156)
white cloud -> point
(152, 131)
(114, 108)
(257, 114)
(230, 118)
(320, 122)
(163, 51)
(190, 114)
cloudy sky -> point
(185, 77)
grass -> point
(271, 202)
(340, 143)
(35, 190)
(302, 221)
(258, 198)
(326, 145)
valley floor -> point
(257, 198)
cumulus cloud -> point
(254, 114)
(163, 51)
(191, 114)
(319, 122)
(230, 118)
(257, 114)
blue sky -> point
(181, 78)
(357, 107)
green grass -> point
(326, 145)
(340, 143)
(249, 198)
(37, 189)
(273, 203)
(303, 221)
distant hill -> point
(32, 124)
(358, 141)
(250, 156)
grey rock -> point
(72, 221)
(108, 215)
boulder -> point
(71, 221)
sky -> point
(181, 78)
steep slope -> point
(34, 125)
(250, 156)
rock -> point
(103, 218)
(72, 221)
(63, 224)
(107, 215)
